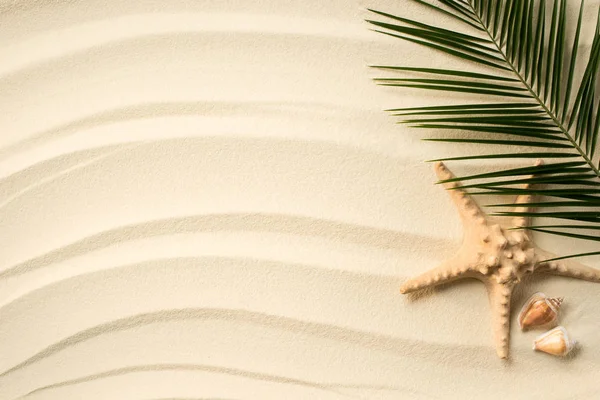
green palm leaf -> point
(532, 56)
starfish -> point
(496, 255)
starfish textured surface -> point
(495, 255)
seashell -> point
(555, 342)
(539, 311)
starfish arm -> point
(450, 270)
(568, 267)
(499, 296)
(524, 199)
(466, 206)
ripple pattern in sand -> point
(203, 200)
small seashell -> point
(539, 311)
(555, 342)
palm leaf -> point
(532, 56)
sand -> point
(204, 199)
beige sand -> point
(203, 199)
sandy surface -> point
(203, 199)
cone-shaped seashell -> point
(555, 342)
(539, 311)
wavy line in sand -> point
(193, 261)
(443, 353)
(111, 151)
(157, 109)
(15, 172)
(80, 38)
(256, 222)
(330, 387)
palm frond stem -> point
(534, 95)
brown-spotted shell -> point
(555, 342)
(539, 311)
